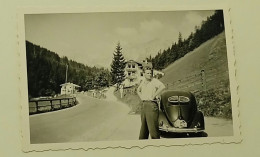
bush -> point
(131, 99)
(215, 102)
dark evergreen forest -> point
(208, 29)
(46, 71)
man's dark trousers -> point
(149, 120)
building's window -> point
(129, 73)
(129, 65)
(133, 66)
(141, 73)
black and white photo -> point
(98, 79)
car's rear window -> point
(178, 100)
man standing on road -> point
(148, 90)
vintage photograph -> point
(128, 76)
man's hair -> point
(148, 68)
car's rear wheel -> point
(201, 134)
(183, 135)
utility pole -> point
(66, 80)
(66, 73)
(203, 79)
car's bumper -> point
(181, 130)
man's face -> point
(148, 74)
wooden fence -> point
(130, 90)
(202, 81)
(46, 105)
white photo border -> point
(24, 114)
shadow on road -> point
(183, 135)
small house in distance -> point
(158, 74)
(69, 88)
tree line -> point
(46, 71)
(208, 29)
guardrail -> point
(47, 105)
(130, 90)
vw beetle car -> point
(179, 114)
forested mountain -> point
(46, 71)
(208, 29)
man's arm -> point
(139, 90)
(160, 88)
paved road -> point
(98, 119)
(91, 120)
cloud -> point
(126, 31)
(150, 26)
(92, 38)
(144, 32)
(146, 38)
(191, 19)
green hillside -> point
(210, 55)
(204, 72)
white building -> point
(69, 88)
(158, 74)
(134, 72)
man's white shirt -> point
(147, 89)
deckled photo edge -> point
(232, 73)
(25, 132)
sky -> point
(91, 38)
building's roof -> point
(142, 65)
(69, 84)
(132, 61)
(147, 64)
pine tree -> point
(180, 39)
(118, 66)
(180, 46)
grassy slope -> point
(132, 100)
(211, 56)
